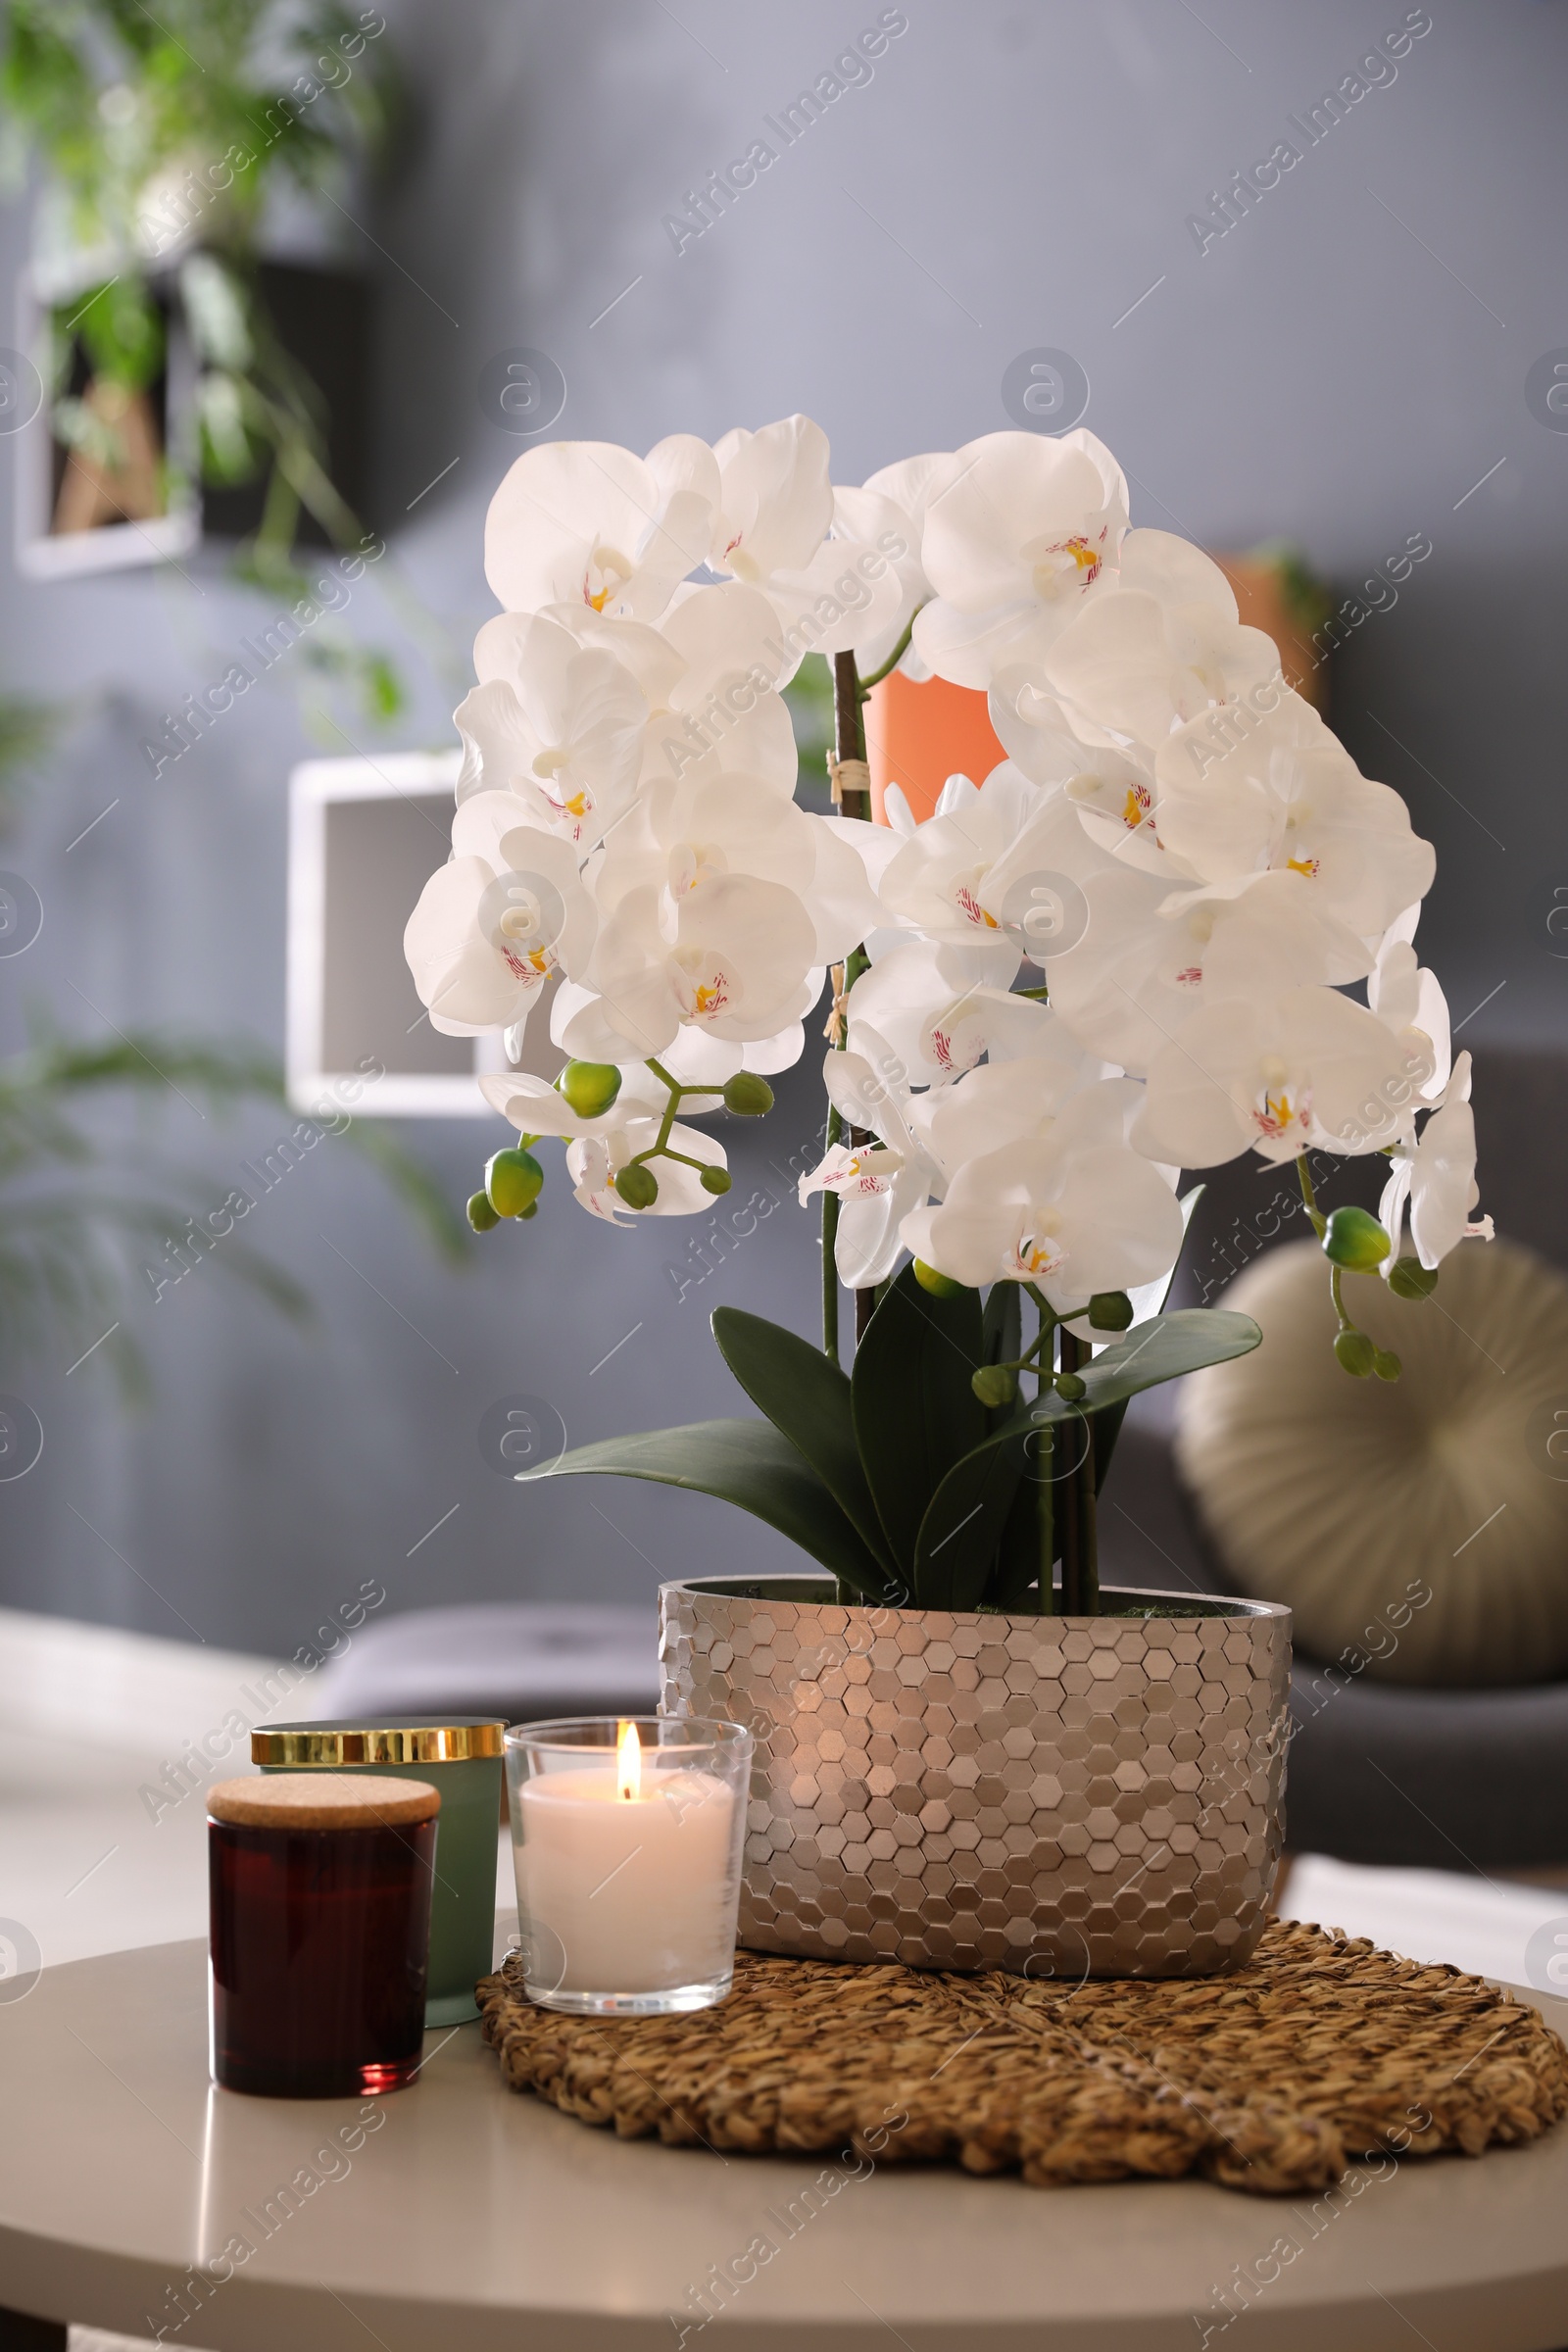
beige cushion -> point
(1351, 1499)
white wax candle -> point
(624, 1895)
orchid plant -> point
(1124, 951)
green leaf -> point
(749, 1463)
(1163, 1348)
(962, 1531)
(810, 1401)
(915, 1414)
(1002, 1333)
(1106, 1424)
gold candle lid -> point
(310, 1800)
(308, 1746)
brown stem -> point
(849, 727)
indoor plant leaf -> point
(749, 1463)
(915, 1413)
(1106, 1424)
(962, 1531)
(810, 1401)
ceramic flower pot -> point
(1067, 1796)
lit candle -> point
(628, 1864)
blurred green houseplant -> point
(164, 138)
(82, 1217)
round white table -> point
(470, 2219)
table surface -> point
(472, 2217)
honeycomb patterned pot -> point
(1059, 1796)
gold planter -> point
(1059, 1796)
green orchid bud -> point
(1356, 1241)
(637, 1186)
(513, 1180)
(1357, 1353)
(481, 1216)
(1110, 1310)
(1408, 1278)
(715, 1180)
(1070, 1386)
(589, 1087)
(994, 1384)
(532, 1210)
(940, 1286)
(747, 1095)
(1387, 1365)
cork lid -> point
(322, 1800)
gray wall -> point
(1339, 368)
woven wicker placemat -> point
(1319, 2050)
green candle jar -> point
(462, 1757)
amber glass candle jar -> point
(321, 1931)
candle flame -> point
(628, 1762)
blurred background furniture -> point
(528, 1661)
(1444, 1779)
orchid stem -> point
(892, 661)
(1318, 1222)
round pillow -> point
(1418, 1528)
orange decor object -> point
(917, 736)
(1280, 599)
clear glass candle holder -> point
(627, 1838)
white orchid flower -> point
(584, 523)
(1138, 668)
(878, 1185)
(889, 509)
(1028, 528)
(733, 958)
(1437, 1177)
(683, 837)
(936, 882)
(1020, 1102)
(1244, 791)
(720, 714)
(772, 530)
(493, 923)
(1111, 784)
(1071, 1213)
(593, 1161)
(556, 723)
(928, 1012)
(1281, 1075)
(1149, 959)
(1403, 993)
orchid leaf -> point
(749, 1463)
(810, 1401)
(962, 1531)
(915, 1413)
(1151, 1297)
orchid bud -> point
(1408, 1278)
(1070, 1386)
(512, 1180)
(715, 1180)
(1356, 1241)
(747, 1095)
(1110, 1310)
(994, 1384)
(1356, 1352)
(1387, 1365)
(481, 1216)
(940, 1286)
(532, 1210)
(637, 1186)
(589, 1087)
